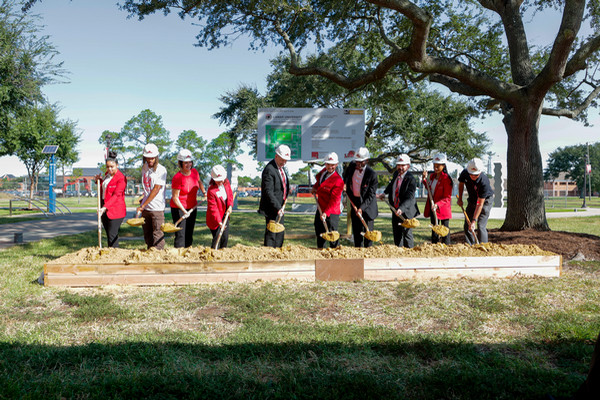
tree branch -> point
(563, 112)
(578, 60)
(554, 69)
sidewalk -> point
(82, 222)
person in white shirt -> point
(152, 205)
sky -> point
(118, 67)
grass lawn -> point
(513, 338)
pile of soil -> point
(567, 244)
(94, 255)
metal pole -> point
(584, 187)
(590, 172)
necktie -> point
(283, 182)
(360, 170)
(397, 194)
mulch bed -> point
(567, 244)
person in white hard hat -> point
(185, 185)
(275, 188)
(479, 201)
(152, 205)
(328, 188)
(219, 200)
(401, 195)
(360, 184)
(441, 192)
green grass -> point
(437, 339)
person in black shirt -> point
(479, 200)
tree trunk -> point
(525, 188)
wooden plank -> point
(455, 273)
(462, 262)
(337, 269)
(473, 267)
(173, 268)
(346, 270)
(173, 279)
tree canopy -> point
(479, 49)
(26, 64)
(572, 160)
(34, 129)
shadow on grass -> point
(420, 369)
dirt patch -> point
(567, 244)
(94, 255)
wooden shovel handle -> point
(431, 201)
(469, 223)
(359, 216)
(321, 213)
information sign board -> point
(310, 133)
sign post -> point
(51, 149)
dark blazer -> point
(271, 197)
(408, 188)
(368, 190)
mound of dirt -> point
(94, 255)
(567, 244)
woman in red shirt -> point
(441, 188)
(112, 189)
(185, 185)
(219, 200)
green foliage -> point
(26, 64)
(239, 114)
(572, 161)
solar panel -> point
(50, 149)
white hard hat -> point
(218, 173)
(284, 152)
(150, 150)
(332, 158)
(184, 155)
(440, 158)
(362, 154)
(475, 166)
(403, 159)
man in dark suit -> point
(401, 195)
(275, 187)
(360, 182)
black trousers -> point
(224, 236)
(332, 221)
(358, 227)
(111, 226)
(403, 237)
(435, 238)
(185, 236)
(274, 239)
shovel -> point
(170, 228)
(137, 220)
(374, 236)
(99, 216)
(275, 226)
(225, 218)
(407, 223)
(469, 223)
(440, 230)
(330, 236)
